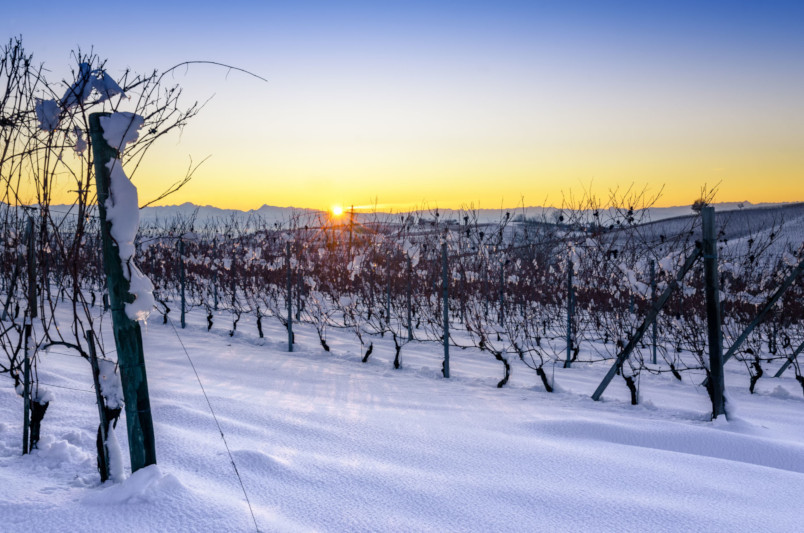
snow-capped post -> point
(182, 281)
(570, 268)
(127, 334)
(30, 314)
(289, 297)
(712, 291)
(655, 332)
(445, 306)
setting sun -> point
(337, 210)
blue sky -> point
(401, 101)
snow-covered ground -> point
(326, 443)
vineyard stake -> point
(502, 292)
(410, 313)
(127, 334)
(570, 268)
(789, 360)
(445, 306)
(655, 333)
(30, 314)
(651, 316)
(182, 280)
(712, 290)
(765, 308)
(289, 297)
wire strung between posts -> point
(231, 458)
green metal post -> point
(127, 334)
(568, 361)
(712, 292)
(651, 316)
(182, 280)
(289, 297)
(409, 290)
(655, 332)
(445, 306)
(789, 360)
(30, 314)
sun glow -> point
(337, 210)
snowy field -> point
(326, 443)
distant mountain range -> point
(270, 215)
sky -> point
(490, 104)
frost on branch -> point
(122, 211)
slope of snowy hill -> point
(325, 443)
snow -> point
(122, 210)
(120, 129)
(325, 443)
(111, 388)
(87, 80)
(144, 485)
(47, 113)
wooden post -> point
(445, 306)
(127, 334)
(712, 290)
(103, 460)
(182, 281)
(289, 297)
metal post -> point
(651, 316)
(485, 290)
(789, 360)
(388, 301)
(798, 270)
(655, 332)
(289, 297)
(30, 314)
(410, 310)
(445, 306)
(712, 289)
(182, 281)
(568, 361)
(215, 289)
(104, 423)
(502, 292)
(127, 334)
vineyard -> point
(532, 294)
(397, 307)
